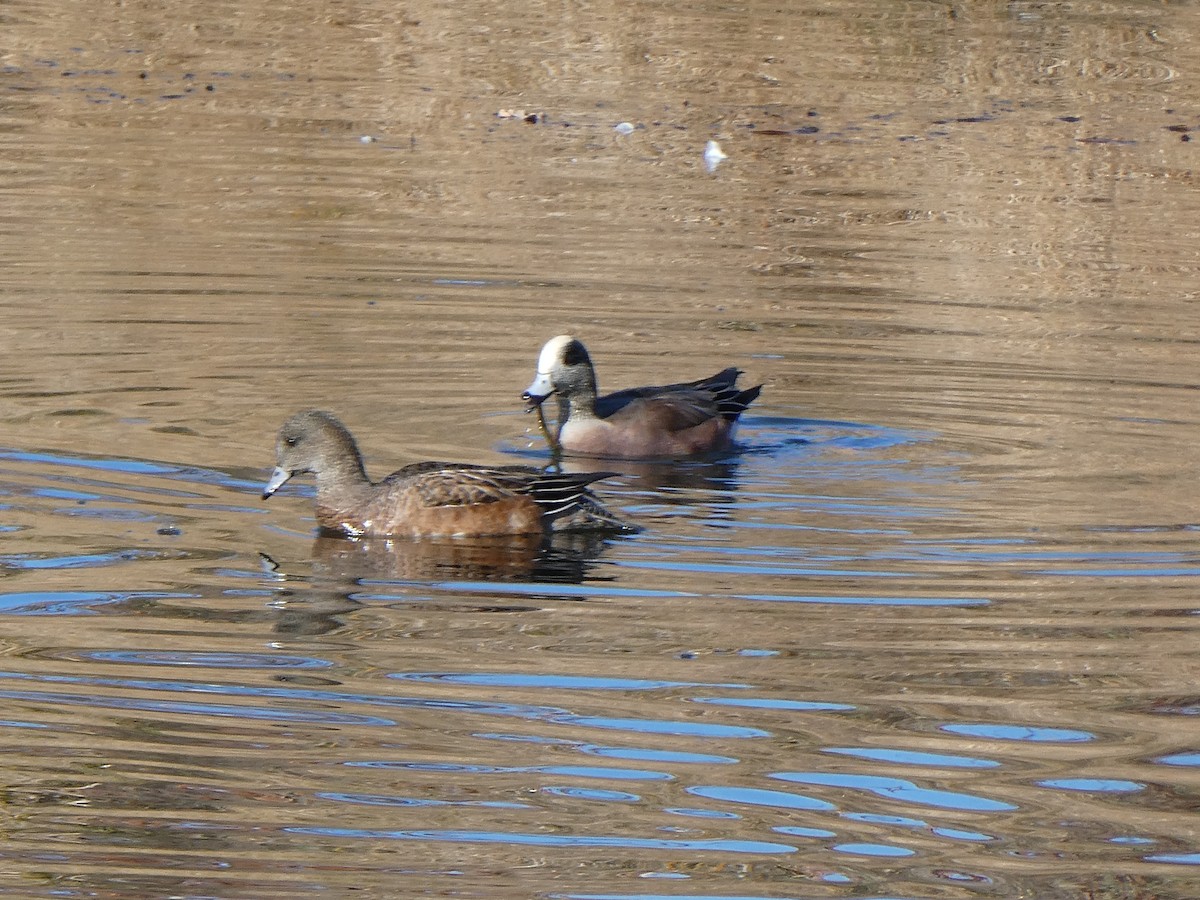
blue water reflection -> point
(759, 797)
(579, 841)
(898, 789)
(914, 757)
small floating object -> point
(713, 154)
(624, 128)
(529, 118)
(367, 139)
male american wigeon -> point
(670, 421)
(429, 499)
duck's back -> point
(670, 421)
(451, 499)
(459, 499)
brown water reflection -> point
(930, 633)
(564, 557)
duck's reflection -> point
(562, 558)
(687, 477)
(313, 602)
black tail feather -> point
(731, 402)
(568, 505)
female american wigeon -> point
(430, 499)
(671, 421)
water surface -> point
(930, 633)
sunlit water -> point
(931, 632)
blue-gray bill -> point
(278, 477)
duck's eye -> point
(291, 441)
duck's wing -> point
(723, 381)
(568, 505)
(435, 484)
(676, 411)
(465, 484)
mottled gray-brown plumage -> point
(429, 499)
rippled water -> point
(931, 633)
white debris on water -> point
(713, 154)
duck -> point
(431, 499)
(673, 421)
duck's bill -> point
(535, 395)
(533, 401)
(278, 477)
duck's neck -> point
(343, 481)
(343, 495)
(576, 406)
(579, 399)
